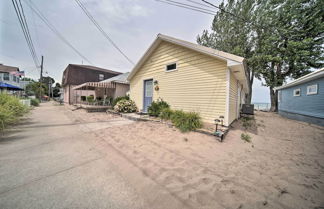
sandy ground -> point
(282, 167)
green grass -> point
(34, 102)
(246, 137)
(166, 114)
(10, 110)
(186, 121)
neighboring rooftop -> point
(7, 69)
(311, 76)
(122, 78)
(77, 74)
(95, 68)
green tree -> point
(27, 79)
(279, 38)
(234, 35)
(289, 40)
(36, 89)
(56, 90)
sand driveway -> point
(97, 160)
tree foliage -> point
(278, 38)
(234, 34)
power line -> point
(187, 6)
(54, 30)
(84, 9)
(24, 26)
(213, 5)
(201, 4)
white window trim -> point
(166, 67)
(279, 96)
(103, 77)
(295, 95)
(312, 93)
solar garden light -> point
(222, 119)
(216, 123)
(219, 133)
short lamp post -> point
(217, 121)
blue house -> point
(303, 98)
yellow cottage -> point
(190, 77)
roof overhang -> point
(311, 76)
(95, 85)
(235, 63)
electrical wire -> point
(187, 6)
(24, 26)
(85, 10)
(33, 7)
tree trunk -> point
(248, 96)
(250, 76)
(274, 100)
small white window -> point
(296, 92)
(312, 89)
(279, 96)
(101, 77)
(171, 67)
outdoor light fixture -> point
(222, 119)
(219, 133)
(216, 123)
(156, 85)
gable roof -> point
(309, 77)
(231, 59)
(122, 78)
(78, 74)
(89, 67)
(7, 69)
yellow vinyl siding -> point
(233, 96)
(198, 84)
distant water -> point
(262, 106)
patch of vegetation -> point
(34, 102)
(247, 122)
(10, 110)
(156, 107)
(126, 106)
(246, 137)
(117, 99)
(166, 114)
(186, 121)
(90, 99)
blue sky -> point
(132, 24)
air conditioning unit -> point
(247, 109)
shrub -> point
(34, 102)
(246, 137)
(186, 121)
(117, 99)
(90, 99)
(166, 114)
(156, 107)
(108, 100)
(10, 109)
(126, 106)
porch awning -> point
(10, 87)
(94, 85)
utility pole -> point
(40, 80)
